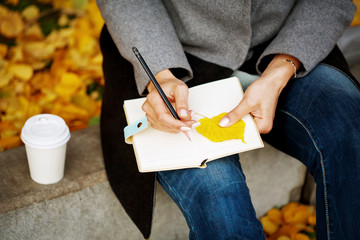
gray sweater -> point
(223, 31)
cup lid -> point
(45, 131)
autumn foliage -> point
(50, 62)
(293, 221)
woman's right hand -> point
(156, 111)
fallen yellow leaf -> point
(11, 25)
(5, 78)
(21, 70)
(31, 12)
(33, 33)
(3, 50)
(9, 142)
(210, 129)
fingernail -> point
(224, 122)
(183, 113)
(195, 125)
(186, 129)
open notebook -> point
(156, 150)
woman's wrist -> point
(281, 69)
(291, 62)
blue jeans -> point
(318, 122)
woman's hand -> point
(156, 111)
(261, 97)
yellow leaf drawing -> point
(210, 129)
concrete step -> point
(82, 205)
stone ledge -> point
(83, 168)
(82, 205)
(93, 213)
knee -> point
(331, 106)
(328, 83)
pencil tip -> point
(187, 135)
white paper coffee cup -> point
(45, 137)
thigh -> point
(215, 201)
(317, 122)
(317, 114)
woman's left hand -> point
(261, 97)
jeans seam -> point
(322, 168)
(181, 203)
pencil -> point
(157, 86)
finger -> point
(236, 114)
(195, 124)
(160, 117)
(181, 94)
(153, 117)
(154, 105)
(147, 108)
(157, 125)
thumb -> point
(235, 115)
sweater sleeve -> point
(310, 32)
(146, 26)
